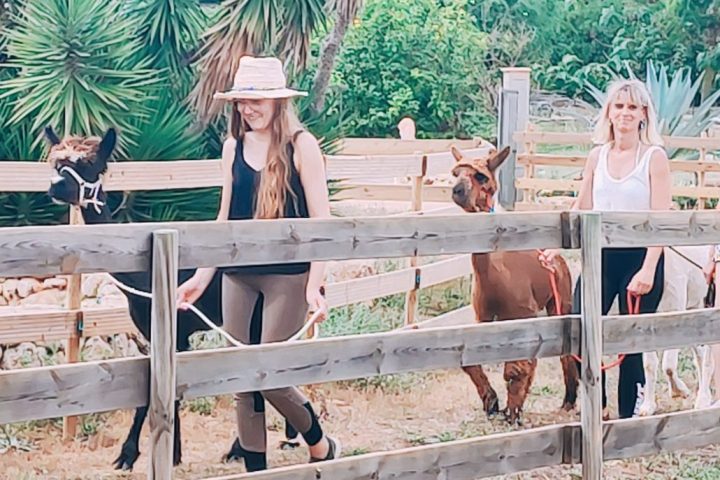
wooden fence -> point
(530, 185)
(363, 167)
(157, 381)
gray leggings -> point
(284, 312)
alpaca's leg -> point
(484, 389)
(571, 374)
(677, 386)
(704, 363)
(519, 376)
(177, 442)
(715, 357)
(649, 406)
(131, 448)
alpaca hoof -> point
(127, 458)
(288, 445)
(492, 406)
(678, 389)
(513, 416)
(702, 401)
(568, 406)
(647, 409)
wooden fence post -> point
(416, 206)
(507, 126)
(406, 128)
(591, 347)
(73, 295)
(163, 329)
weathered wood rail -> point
(107, 385)
(530, 160)
(363, 167)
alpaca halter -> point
(92, 189)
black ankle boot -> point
(254, 461)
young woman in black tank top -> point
(273, 168)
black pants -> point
(619, 265)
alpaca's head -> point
(475, 180)
(78, 164)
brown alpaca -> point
(509, 285)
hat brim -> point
(259, 94)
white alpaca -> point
(685, 289)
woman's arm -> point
(311, 166)
(660, 198)
(228, 155)
(584, 198)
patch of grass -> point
(202, 405)
(684, 467)
(11, 438)
(90, 424)
(393, 384)
(356, 451)
(544, 391)
(444, 297)
(686, 365)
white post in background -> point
(513, 116)
(518, 79)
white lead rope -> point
(313, 319)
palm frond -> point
(170, 31)
(252, 27)
(673, 97)
(83, 74)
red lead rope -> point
(633, 302)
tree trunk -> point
(327, 61)
(707, 83)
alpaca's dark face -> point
(475, 180)
(78, 164)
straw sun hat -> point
(258, 78)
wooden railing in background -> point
(531, 186)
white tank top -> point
(629, 193)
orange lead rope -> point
(633, 302)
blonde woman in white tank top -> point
(628, 171)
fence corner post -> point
(591, 347)
(163, 327)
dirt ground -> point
(384, 414)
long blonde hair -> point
(271, 198)
(638, 93)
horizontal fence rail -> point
(126, 248)
(172, 174)
(74, 389)
(46, 392)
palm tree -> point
(253, 27)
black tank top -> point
(242, 207)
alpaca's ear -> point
(107, 145)
(456, 153)
(51, 136)
(497, 159)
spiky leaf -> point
(252, 27)
(78, 67)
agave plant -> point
(78, 67)
(673, 97)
